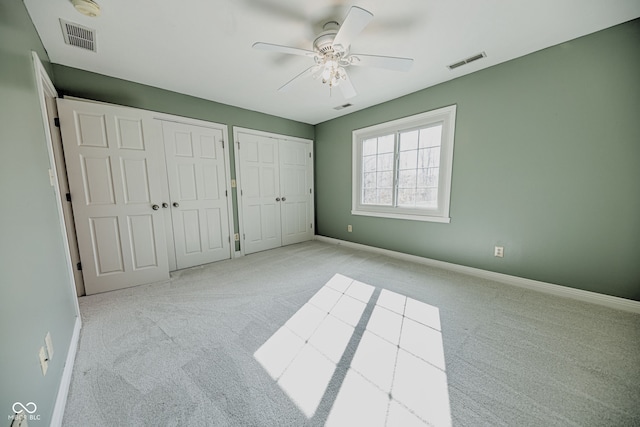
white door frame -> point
(237, 146)
(47, 90)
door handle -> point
(284, 199)
(277, 199)
(165, 205)
(176, 204)
(155, 207)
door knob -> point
(176, 204)
(284, 199)
(277, 199)
(155, 207)
(165, 205)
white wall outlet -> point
(236, 237)
(349, 228)
(49, 343)
(44, 360)
(233, 183)
(498, 251)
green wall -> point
(546, 164)
(74, 82)
(35, 288)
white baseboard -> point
(549, 288)
(65, 382)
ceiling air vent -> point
(79, 36)
(340, 107)
(467, 61)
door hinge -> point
(238, 142)
(68, 197)
(244, 237)
(229, 238)
(309, 154)
(222, 144)
(79, 266)
(226, 193)
(241, 191)
(309, 191)
(311, 225)
(56, 122)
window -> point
(402, 168)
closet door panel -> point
(260, 192)
(114, 183)
(197, 187)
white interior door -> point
(113, 169)
(259, 192)
(296, 188)
(196, 171)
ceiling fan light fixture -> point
(87, 7)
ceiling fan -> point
(331, 53)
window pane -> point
(409, 140)
(408, 159)
(369, 196)
(406, 197)
(385, 179)
(385, 196)
(427, 198)
(431, 136)
(385, 144)
(370, 146)
(429, 157)
(369, 180)
(428, 177)
(385, 162)
(370, 163)
(407, 179)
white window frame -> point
(446, 116)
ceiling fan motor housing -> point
(324, 43)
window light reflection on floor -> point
(302, 355)
(397, 374)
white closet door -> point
(260, 192)
(197, 186)
(295, 183)
(112, 165)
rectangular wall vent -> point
(340, 107)
(467, 61)
(79, 36)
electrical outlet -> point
(498, 251)
(49, 343)
(233, 183)
(44, 360)
(236, 237)
(349, 228)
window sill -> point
(424, 218)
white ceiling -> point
(203, 47)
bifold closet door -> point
(260, 192)
(276, 178)
(113, 161)
(295, 184)
(195, 157)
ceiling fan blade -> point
(283, 49)
(306, 72)
(353, 24)
(388, 62)
(347, 89)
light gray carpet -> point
(181, 353)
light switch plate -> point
(44, 362)
(49, 343)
